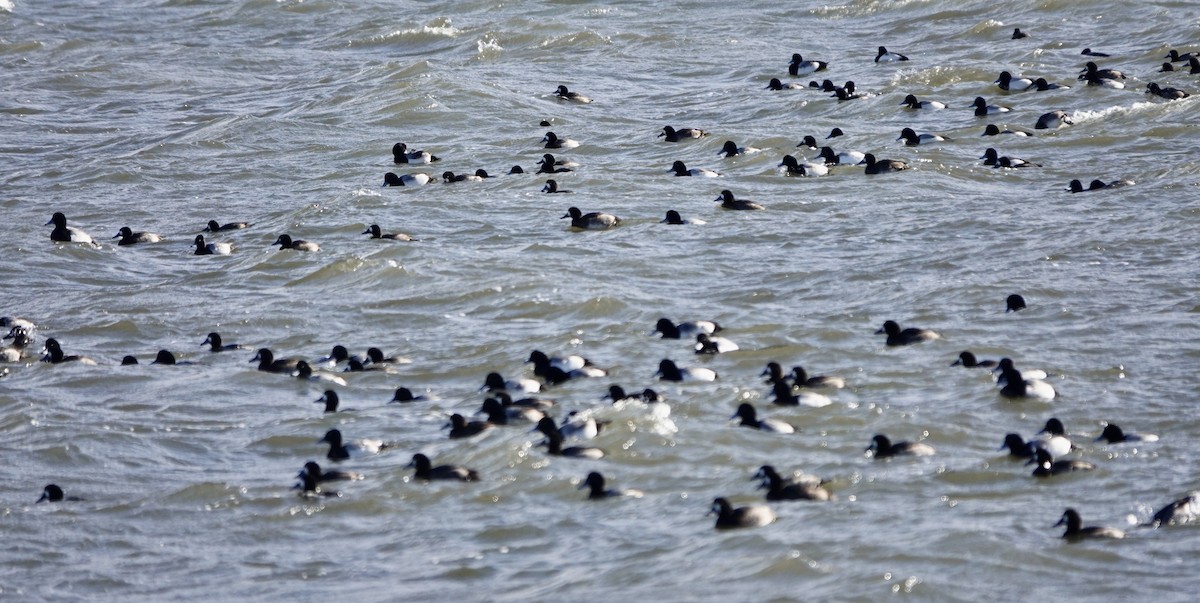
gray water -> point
(163, 115)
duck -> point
(709, 344)
(563, 94)
(1014, 303)
(54, 354)
(1056, 445)
(779, 489)
(785, 396)
(994, 130)
(516, 169)
(330, 399)
(16, 351)
(1015, 385)
(128, 237)
(552, 187)
(401, 154)
(53, 493)
(496, 383)
(967, 360)
(1177, 512)
(1175, 57)
(425, 470)
(530, 410)
(340, 450)
(729, 202)
(319, 475)
(883, 56)
(419, 179)
(982, 108)
(673, 217)
(203, 248)
(1047, 466)
(216, 344)
(129, 360)
(267, 362)
(672, 135)
(376, 356)
(751, 516)
(581, 426)
(567, 363)
(461, 428)
(167, 358)
(688, 329)
(1076, 531)
(776, 84)
(1053, 120)
(881, 166)
(1092, 72)
(1018, 447)
(285, 242)
(897, 336)
(1103, 82)
(773, 373)
(404, 395)
(792, 167)
(305, 371)
(377, 233)
(1041, 85)
(450, 177)
(798, 66)
(730, 149)
(560, 370)
(911, 102)
(884, 448)
(1077, 187)
(847, 93)
(912, 139)
(67, 234)
(1194, 65)
(669, 371)
(992, 158)
(808, 142)
(596, 490)
(1008, 83)
(841, 158)
(310, 487)
(1113, 434)
(550, 165)
(590, 221)
(554, 442)
(1167, 93)
(749, 418)
(824, 86)
(1018, 34)
(337, 355)
(801, 378)
(213, 226)
(1088, 52)
(682, 170)
(836, 132)
(554, 142)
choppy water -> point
(163, 115)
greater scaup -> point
(730, 149)
(1047, 466)
(554, 142)
(688, 329)
(792, 167)
(563, 94)
(673, 217)
(213, 226)
(968, 360)
(1014, 303)
(780, 489)
(752, 516)
(285, 242)
(554, 442)
(392, 179)
(128, 237)
(669, 371)
(682, 170)
(1053, 120)
(1181, 511)
(424, 470)
(982, 107)
(1008, 83)
(339, 450)
(911, 102)
(882, 447)
(203, 248)
(912, 139)
(710, 344)
(67, 234)
(786, 396)
(596, 490)
(53, 493)
(729, 202)
(841, 158)
(590, 221)
(54, 354)
(216, 344)
(1018, 34)
(401, 154)
(897, 336)
(404, 395)
(798, 66)
(673, 135)
(881, 166)
(267, 362)
(496, 383)
(551, 186)
(1113, 434)
(883, 56)
(377, 233)
(749, 418)
(1076, 531)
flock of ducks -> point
(515, 401)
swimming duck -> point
(424, 470)
(730, 149)
(53, 493)
(792, 167)
(785, 396)
(911, 102)
(776, 84)
(401, 154)
(749, 418)
(595, 484)
(1113, 434)
(994, 130)
(1047, 466)
(461, 428)
(213, 226)
(688, 329)
(841, 158)
(305, 371)
(203, 248)
(554, 142)
(883, 56)
(552, 187)
(1181, 511)
(1075, 529)
(216, 344)
(968, 360)
(554, 447)
(1008, 83)
(403, 395)
(67, 234)
(668, 371)
(752, 516)
(574, 97)
(267, 362)
(673, 135)
(982, 108)
(882, 166)
(494, 383)
(392, 179)
(912, 139)
(313, 469)
(673, 217)
(340, 450)
(1053, 120)
(590, 221)
(54, 354)
(897, 336)
(801, 378)
(779, 489)
(884, 448)
(682, 170)
(377, 233)
(708, 344)
(1014, 303)
(285, 242)
(729, 202)
(798, 66)
(128, 237)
